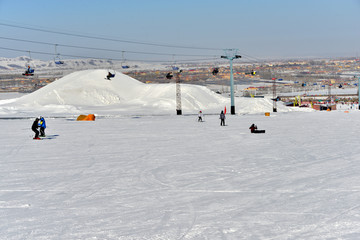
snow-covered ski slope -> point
(170, 177)
(141, 172)
(89, 92)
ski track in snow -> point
(170, 177)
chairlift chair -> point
(29, 71)
(215, 71)
(169, 75)
(123, 61)
(57, 59)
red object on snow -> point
(225, 110)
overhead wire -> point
(246, 56)
(105, 49)
(109, 39)
(100, 58)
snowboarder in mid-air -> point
(222, 118)
(42, 126)
(34, 127)
(110, 75)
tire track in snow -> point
(13, 151)
(174, 215)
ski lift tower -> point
(274, 95)
(231, 54)
(178, 93)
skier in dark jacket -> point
(252, 128)
(222, 118)
(42, 126)
(35, 127)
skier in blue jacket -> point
(42, 126)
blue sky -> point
(258, 28)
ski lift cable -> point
(104, 49)
(107, 38)
(99, 58)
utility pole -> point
(231, 55)
(178, 93)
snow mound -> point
(89, 91)
(85, 88)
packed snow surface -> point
(141, 172)
(171, 177)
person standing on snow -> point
(222, 118)
(42, 126)
(34, 127)
(200, 117)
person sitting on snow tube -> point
(253, 129)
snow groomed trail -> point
(170, 177)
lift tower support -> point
(231, 54)
(178, 93)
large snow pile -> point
(89, 91)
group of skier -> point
(39, 123)
(222, 118)
(253, 127)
